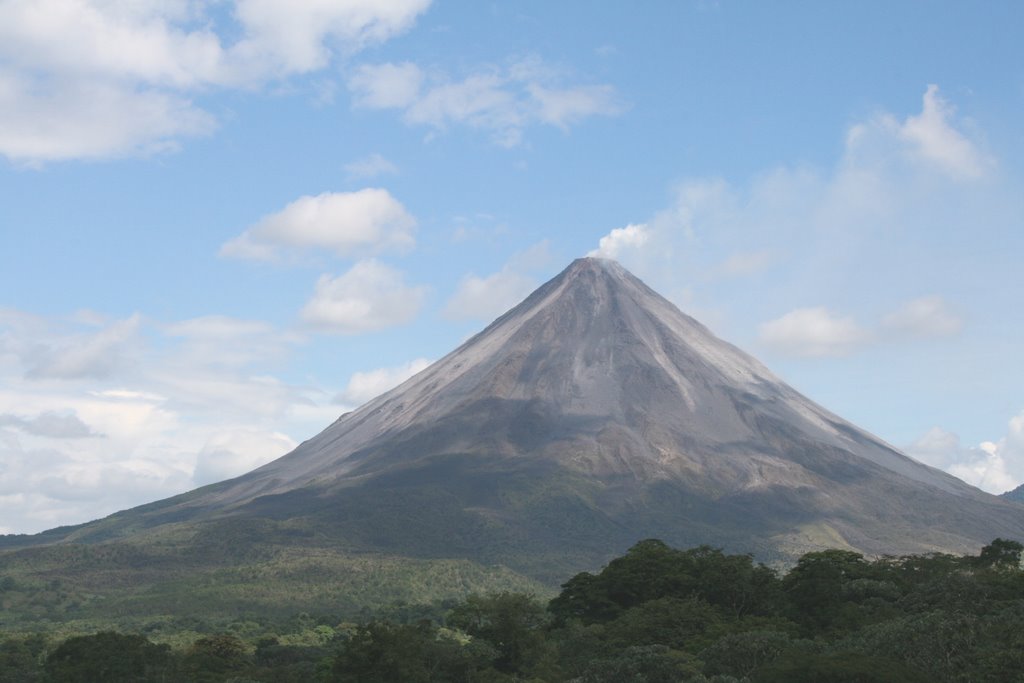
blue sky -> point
(224, 224)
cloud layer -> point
(83, 436)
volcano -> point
(590, 416)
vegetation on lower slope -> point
(217, 573)
(654, 615)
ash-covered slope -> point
(591, 415)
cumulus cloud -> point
(502, 101)
(233, 453)
(994, 466)
(363, 386)
(489, 296)
(928, 316)
(93, 79)
(813, 332)
(370, 296)
(366, 221)
(370, 167)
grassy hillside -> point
(225, 570)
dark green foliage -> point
(640, 664)
(109, 657)
(651, 569)
(212, 658)
(381, 652)
(837, 667)
(513, 624)
(20, 659)
(828, 590)
(1001, 554)
(741, 654)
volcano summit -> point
(592, 415)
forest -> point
(654, 615)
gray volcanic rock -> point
(598, 373)
(590, 416)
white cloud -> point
(370, 167)
(93, 79)
(932, 136)
(501, 101)
(366, 221)
(925, 317)
(370, 296)
(994, 466)
(86, 120)
(813, 332)
(363, 386)
(612, 245)
(233, 453)
(55, 477)
(296, 37)
(82, 437)
(489, 296)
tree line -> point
(654, 615)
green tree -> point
(109, 657)
(213, 658)
(512, 623)
(382, 652)
(817, 589)
(1000, 554)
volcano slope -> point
(592, 415)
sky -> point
(223, 224)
